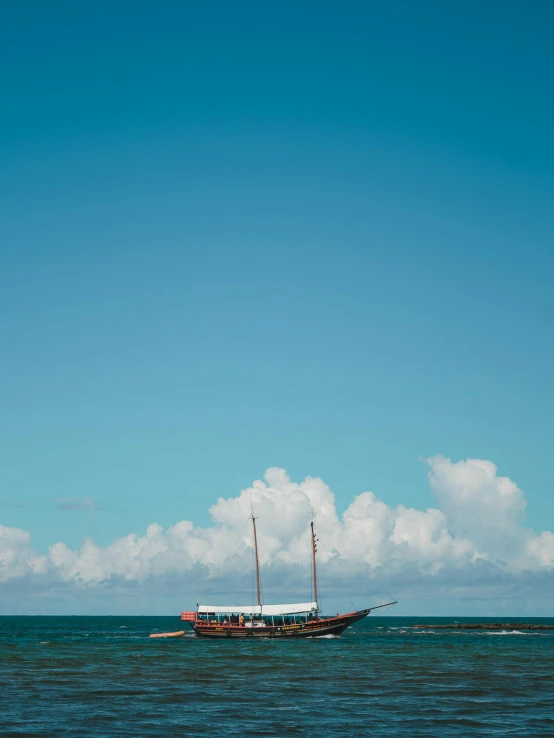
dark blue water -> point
(103, 676)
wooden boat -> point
(300, 620)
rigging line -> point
(311, 562)
(258, 580)
(253, 555)
(311, 580)
(364, 564)
(389, 604)
(262, 590)
(231, 550)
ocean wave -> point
(459, 685)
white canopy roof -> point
(256, 610)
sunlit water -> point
(103, 676)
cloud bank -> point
(474, 544)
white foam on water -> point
(288, 707)
(506, 633)
(127, 638)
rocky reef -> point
(486, 626)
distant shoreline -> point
(487, 626)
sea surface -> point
(103, 676)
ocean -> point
(102, 676)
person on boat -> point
(225, 622)
(241, 619)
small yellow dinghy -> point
(176, 634)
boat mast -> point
(257, 562)
(314, 549)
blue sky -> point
(317, 236)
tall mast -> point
(314, 549)
(257, 562)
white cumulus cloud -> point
(474, 538)
(17, 558)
